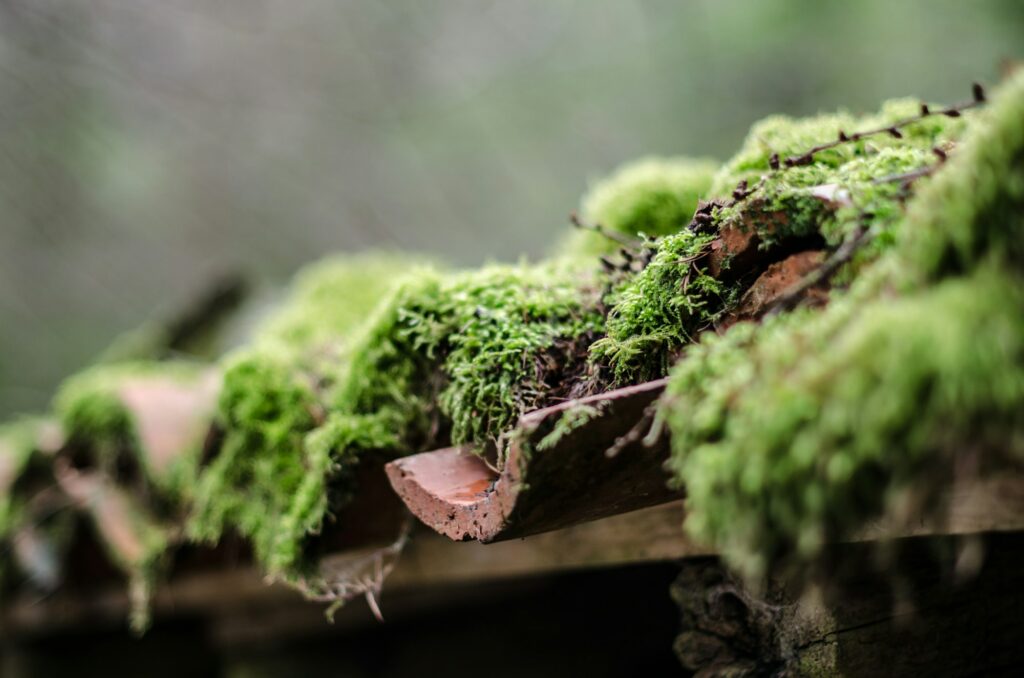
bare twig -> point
(614, 236)
(955, 111)
(704, 217)
(639, 432)
(907, 178)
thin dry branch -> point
(955, 111)
(614, 236)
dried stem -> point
(807, 157)
(361, 576)
(639, 432)
(907, 177)
(614, 236)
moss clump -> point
(448, 356)
(382, 400)
(790, 203)
(843, 188)
(98, 422)
(652, 197)
(331, 454)
(785, 136)
(509, 336)
(487, 345)
(128, 498)
(792, 433)
(825, 201)
(786, 434)
(265, 412)
(661, 309)
(972, 213)
(275, 394)
(328, 300)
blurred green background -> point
(147, 146)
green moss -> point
(329, 299)
(661, 309)
(487, 344)
(382, 400)
(790, 203)
(972, 213)
(265, 411)
(656, 313)
(94, 415)
(788, 136)
(17, 445)
(575, 417)
(507, 335)
(785, 434)
(332, 454)
(134, 539)
(386, 375)
(651, 197)
(276, 393)
(462, 353)
(793, 433)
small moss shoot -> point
(136, 541)
(577, 416)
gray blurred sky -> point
(146, 146)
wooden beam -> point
(650, 535)
(985, 506)
(927, 607)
